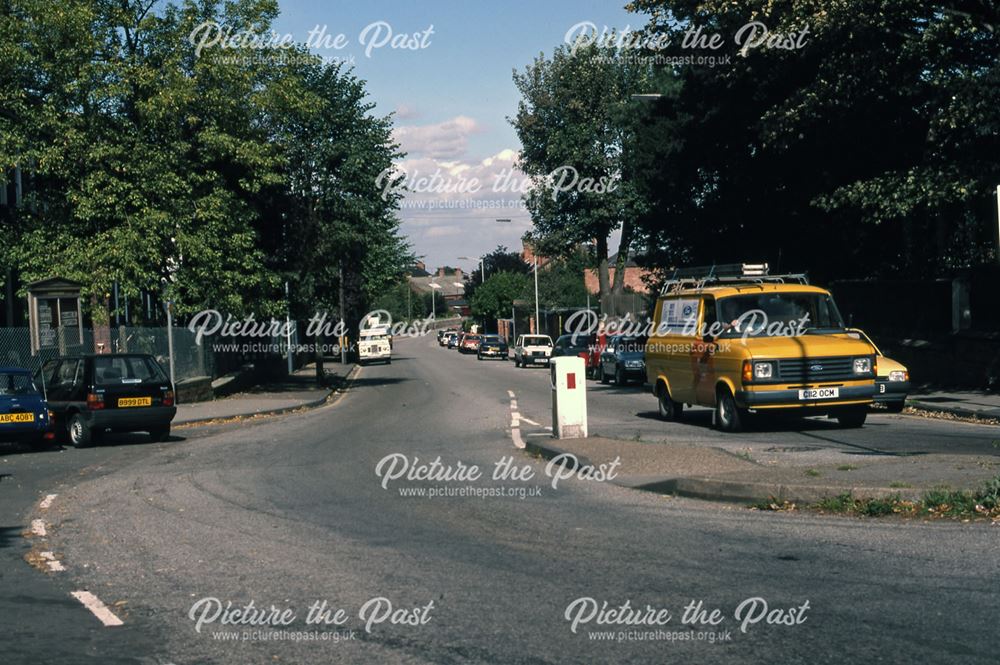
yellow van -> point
(741, 341)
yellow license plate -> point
(17, 417)
(135, 401)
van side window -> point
(710, 320)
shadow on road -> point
(10, 535)
(378, 381)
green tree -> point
(495, 298)
(577, 125)
(869, 149)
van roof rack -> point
(727, 274)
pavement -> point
(965, 404)
(298, 390)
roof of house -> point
(449, 285)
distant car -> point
(624, 360)
(532, 349)
(118, 392)
(442, 336)
(892, 382)
(583, 346)
(469, 343)
(24, 415)
(493, 346)
(453, 339)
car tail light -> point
(168, 398)
(95, 401)
(747, 371)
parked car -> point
(493, 346)
(532, 349)
(624, 360)
(442, 336)
(453, 339)
(469, 343)
(892, 381)
(118, 392)
(24, 415)
(584, 346)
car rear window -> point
(127, 369)
(16, 384)
(537, 341)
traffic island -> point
(714, 474)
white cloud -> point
(443, 140)
(406, 112)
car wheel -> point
(160, 434)
(79, 432)
(895, 407)
(728, 417)
(668, 408)
(517, 363)
(604, 376)
(854, 417)
(620, 379)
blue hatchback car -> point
(24, 415)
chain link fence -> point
(190, 359)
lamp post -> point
(434, 288)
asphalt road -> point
(290, 511)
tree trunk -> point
(621, 262)
(603, 281)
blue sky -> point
(453, 96)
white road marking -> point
(38, 528)
(531, 422)
(515, 425)
(47, 501)
(97, 608)
(54, 565)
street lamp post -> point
(537, 320)
(434, 288)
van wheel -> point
(80, 434)
(604, 377)
(854, 417)
(728, 417)
(669, 409)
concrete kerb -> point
(332, 397)
(959, 411)
(713, 489)
(550, 452)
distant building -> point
(449, 284)
(633, 275)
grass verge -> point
(983, 503)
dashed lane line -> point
(97, 608)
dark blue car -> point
(24, 415)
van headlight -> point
(763, 370)
(862, 365)
(898, 375)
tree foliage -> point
(210, 178)
(869, 149)
(577, 125)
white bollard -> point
(569, 397)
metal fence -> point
(190, 359)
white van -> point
(373, 345)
